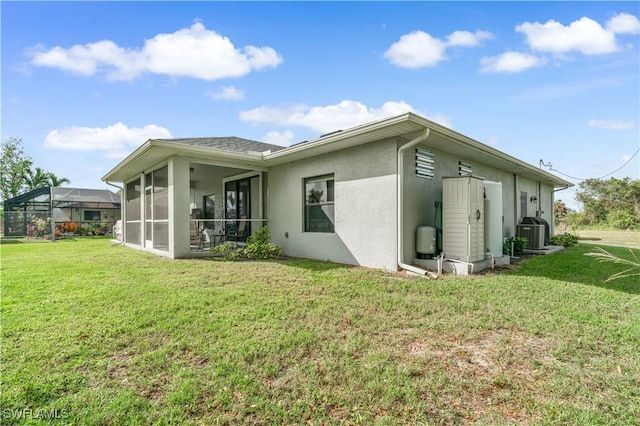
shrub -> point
(566, 240)
(258, 246)
(229, 250)
(70, 226)
(519, 244)
(621, 219)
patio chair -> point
(117, 230)
(208, 238)
(238, 233)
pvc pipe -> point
(400, 179)
(463, 262)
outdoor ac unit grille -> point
(534, 235)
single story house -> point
(354, 196)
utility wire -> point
(601, 177)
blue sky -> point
(85, 83)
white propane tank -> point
(426, 240)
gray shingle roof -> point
(229, 143)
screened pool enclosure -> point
(38, 213)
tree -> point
(614, 202)
(17, 174)
(36, 178)
(13, 167)
(57, 181)
(560, 212)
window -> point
(319, 204)
(523, 204)
(464, 169)
(424, 163)
(92, 215)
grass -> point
(606, 236)
(111, 336)
(627, 238)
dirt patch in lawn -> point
(502, 364)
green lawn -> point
(111, 336)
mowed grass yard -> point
(105, 335)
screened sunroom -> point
(186, 195)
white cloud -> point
(611, 124)
(115, 141)
(419, 49)
(510, 62)
(624, 23)
(228, 93)
(194, 52)
(468, 39)
(584, 35)
(279, 138)
(342, 115)
(416, 50)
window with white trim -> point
(91, 215)
(319, 204)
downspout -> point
(111, 184)
(400, 221)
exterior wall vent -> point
(424, 164)
(464, 169)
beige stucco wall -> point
(365, 206)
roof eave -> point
(557, 182)
(118, 174)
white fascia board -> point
(137, 153)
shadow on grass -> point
(292, 262)
(7, 241)
(572, 265)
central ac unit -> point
(533, 233)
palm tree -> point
(57, 181)
(36, 178)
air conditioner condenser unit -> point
(533, 233)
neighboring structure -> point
(354, 196)
(36, 212)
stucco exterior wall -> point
(531, 188)
(65, 214)
(365, 206)
(545, 202)
(420, 195)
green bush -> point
(519, 244)
(229, 250)
(622, 219)
(566, 240)
(258, 246)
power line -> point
(581, 179)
